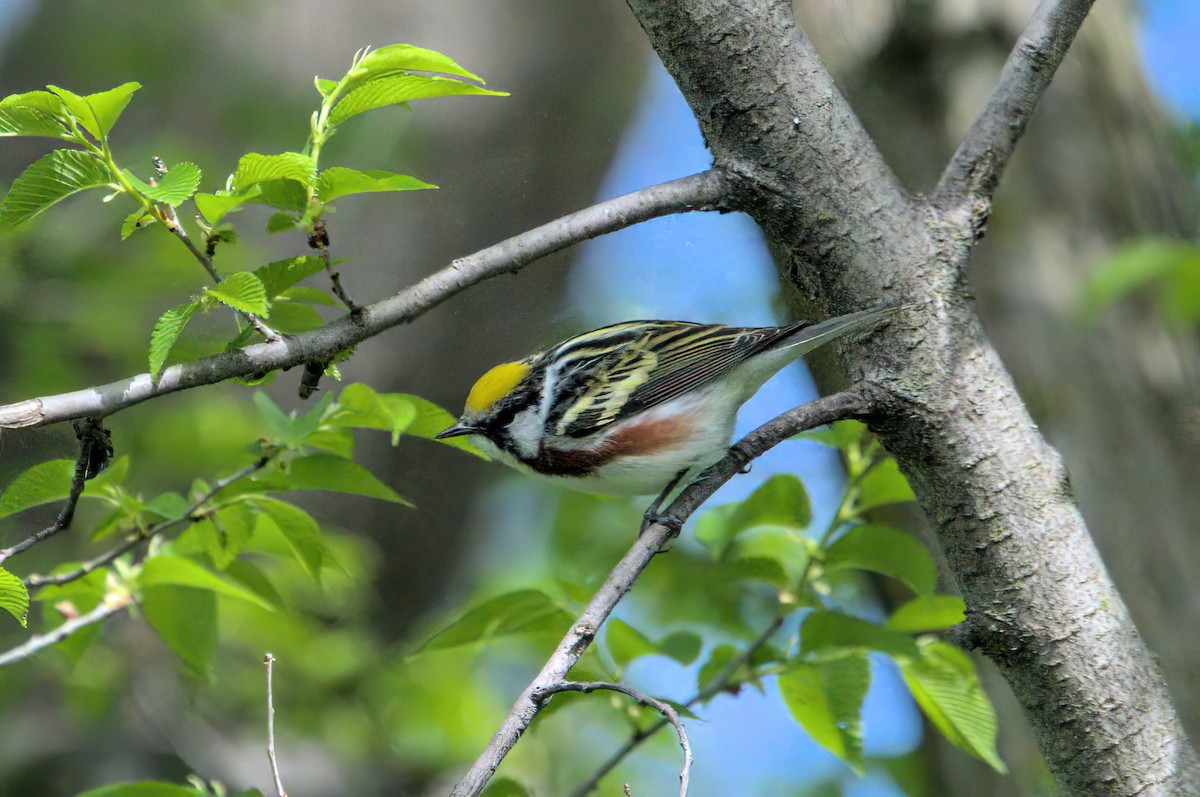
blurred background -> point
(1103, 186)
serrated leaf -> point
(395, 89)
(168, 570)
(330, 473)
(395, 57)
(214, 207)
(280, 275)
(144, 788)
(173, 188)
(97, 113)
(825, 630)
(944, 683)
(431, 420)
(40, 484)
(14, 598)
(884, 484)
(50, 179)
(521, 612)
(625, 643)
(24, 120)
(826, 698)
(167, 329)
(254, 168)
(338, 181)
(242, 291)
(185, 617)
(885, 550)
(298, 528)
(45, 101)
(928, 613)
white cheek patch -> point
(526, 432)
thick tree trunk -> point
(1041, 605)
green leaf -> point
(682, 646)
(242, 291)
(1133, 266)
(718, 660)
(521, 612)
(826, 698)
(214, 207)
(393, 90)
(885, 550)
(330, 473)
(280, 275)
(25, 120)
(254, 168)
(97, 113)
(840, 434)
(291, 318)
(291, 430)
(280, 222)
(928, 613)
(145, 788)
(14, 598)
(40, 484)
(826, 630)
(338, 181)
(303, 293)
(432, 419)
(298, 528)
(944, 683)
(505, 787)
(395, 57)
(360, 406)
(167, 570)
(780, 501)
(50, 179)
(884, 484)
(137, 220)
(625, 643)
(186, 619)
(287, 195)
(227, 533)
(167, 330)
(173, 188)
(780, 546)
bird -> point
(635, 408)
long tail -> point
(810, 337)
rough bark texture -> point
(1041, 605)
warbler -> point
(634, 408)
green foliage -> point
(1166, 269)
(826, 696)
(242, 291)
(145, 788)
(50, 179)
(337, 181)
(505, 787)
(167, 329)
(884, 550)
(522, 612)
(97, 113)
(14, 598)
(173, 188)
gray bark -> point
(1041, 604)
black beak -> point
(456, 430)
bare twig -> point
(269, 660)
(37, 580)
(670, 715)
(107, 608)
(654, 535)
(319, 240)
(703, 191)
(971, 176)
(95, 449)
(718, 684)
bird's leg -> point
(653, 513)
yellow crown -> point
(495, 385)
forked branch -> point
(852, 403)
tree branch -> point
(671, 716)
(714, 687)
(94, 452)
(106, 608)
(971, 176)
(269, 661)
(704, 191)
(852, 403)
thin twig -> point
(319, 240)
(94, 452)
(269, 660)
(971, 176)
(37, 580)
(704, 191)
(654, 535)
(714, 687)
(670, 715)
(107, 608)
